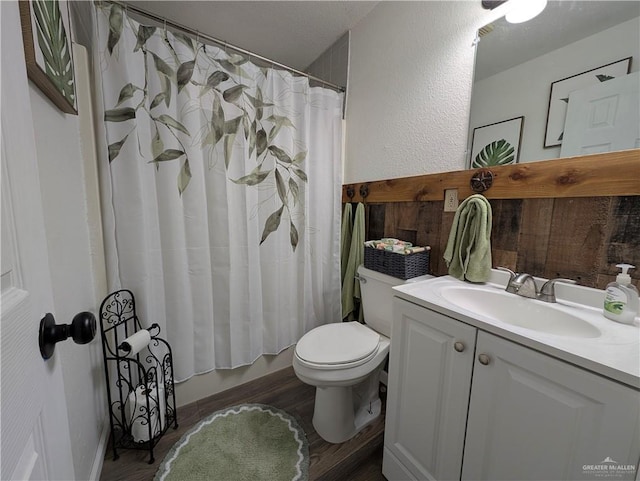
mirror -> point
(518, 67)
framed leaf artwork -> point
(560, 90)
(47, 49)
(496, 144)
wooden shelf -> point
(610, 174)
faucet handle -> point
(512, 275)
(548, 291)
(506, 269)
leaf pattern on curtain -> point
(216, 85)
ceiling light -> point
(523, 10)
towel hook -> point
(364, 192)
(481, 180)
(350, 192)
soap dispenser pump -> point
(621, 300)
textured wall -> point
(410, 83)
(579, 238)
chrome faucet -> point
(548, 290)
(521, 284)
(525, 285)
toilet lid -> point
(337, 343)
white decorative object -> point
(137, 411)
(137, 342)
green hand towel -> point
(350, 286)
(468, 252)
(345, 238)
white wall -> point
(524, 89)
(333, 64)
(72, 225)
(204, 385)
(409, 88)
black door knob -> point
(82, 329)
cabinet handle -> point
(459, 346)
(484, 359)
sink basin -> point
(519, 311)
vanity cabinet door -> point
(430, 368)
(532, 417)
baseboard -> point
(393, 469)
(101, 450)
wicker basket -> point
(402, 266)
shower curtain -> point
(221, 186)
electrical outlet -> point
(450, 200)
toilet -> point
(343, 360)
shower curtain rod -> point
(221, 43)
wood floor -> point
(359, 459)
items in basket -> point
(395, 245)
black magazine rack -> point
(140, 387)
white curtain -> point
(223, 194)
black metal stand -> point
(140, 387)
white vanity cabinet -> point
(533, 417)
(430, 366)
(498, 410)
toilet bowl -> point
(343, 360)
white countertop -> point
(614, 354)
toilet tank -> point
(377, 298)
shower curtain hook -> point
(165, 26)
(197, 36)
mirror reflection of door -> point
(603, 118)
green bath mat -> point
(249, 442)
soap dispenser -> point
(621, 300)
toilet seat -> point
(340, 345)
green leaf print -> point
(171, 122)
(499, 152)
(115, 27)
(120, 115)
(293, 235)
(184, 74)
(114, 149)
(272, 224)
(144, 34)
(184, 177)
(225, 116)
(169, 154)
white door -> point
(429, 381)
(35, 440)
(603, 118)
(533, 417)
